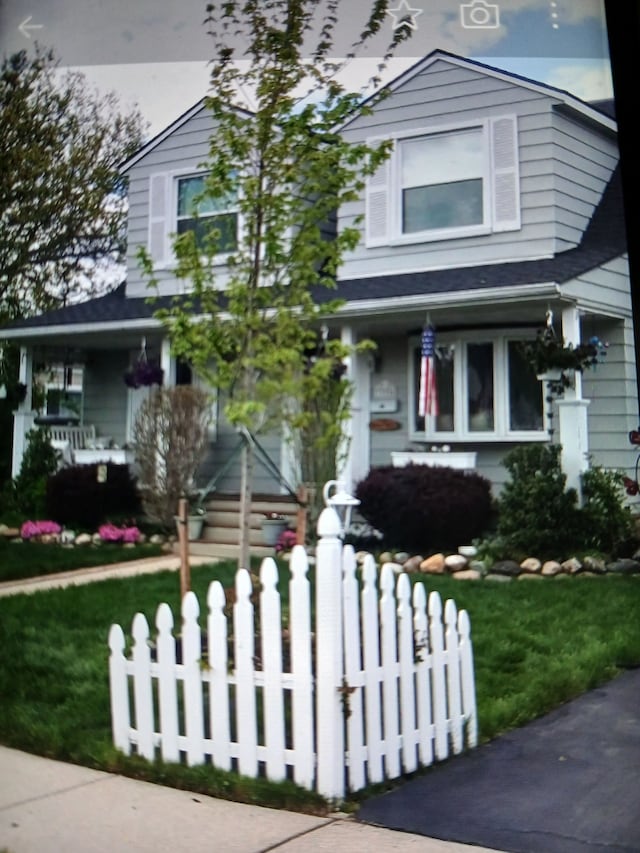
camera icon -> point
(479, 15)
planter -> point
(464, 460)
(551, 375)
(195, 523)
(272, 528)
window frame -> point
(461, 432)
(398, 236)
(176, 177)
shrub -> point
(76, 496)
(26, 495)
(537, 514)
(171, 439)
(606, 522)
(425, 508)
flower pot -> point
(195, 523)
(271, 529)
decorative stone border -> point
(467, 567)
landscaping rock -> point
(401, 556)
(9, 532)
(550, 568)
(84, 539)
(624, 566)
(594, 564)
(506, 567)
(433, 565)
(467, 575)
(571, 566)
(531, 565)
(530, 576)
(413, 564)
(498, 578)
(157, 539)
(455, 562)
(386, 557)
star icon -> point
(404, 15)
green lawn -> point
(536, 645)
(19, 560)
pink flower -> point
(286, 541)
(111, 533)
(31, 529)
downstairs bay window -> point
(486, 391)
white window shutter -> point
(158, 217)
(378, 205)
(505, 174)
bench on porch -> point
(79, 437)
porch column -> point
(356, 449)
(572, 414)
(167, 363)
(24, 416)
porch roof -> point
(603, 240)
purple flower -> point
(286, 541)
(111, 533)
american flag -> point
(428, 396)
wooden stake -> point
(302, 516)
(183, 543)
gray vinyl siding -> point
(105, 394)
(604, 288)
(553, 212)
(182, 151)
(611, 389)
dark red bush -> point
(423, 508)
(76, 497)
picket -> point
(219, 715)
(391, 686)
(167, 684)
(302, 724)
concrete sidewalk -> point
(52, 807)
(75, 577)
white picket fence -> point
(386, 684)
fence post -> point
(330, 694)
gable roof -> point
(588, 111)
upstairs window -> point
(442, 181)
(177, 205)
(446, 183)
(200, 214)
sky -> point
(153, 53)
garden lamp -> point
(340, 500)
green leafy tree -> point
(287, 169)
(62, 213)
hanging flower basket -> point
(555, 362)
(143, 373)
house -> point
(500, 206)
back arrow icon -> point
(26, 25)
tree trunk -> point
(246, 490)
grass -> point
(20, 560)
(537, 644)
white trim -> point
(461, 431)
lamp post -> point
(335, 495)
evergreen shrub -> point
(537, 514)
(76, 498)
(425, 508)
(25, 497)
